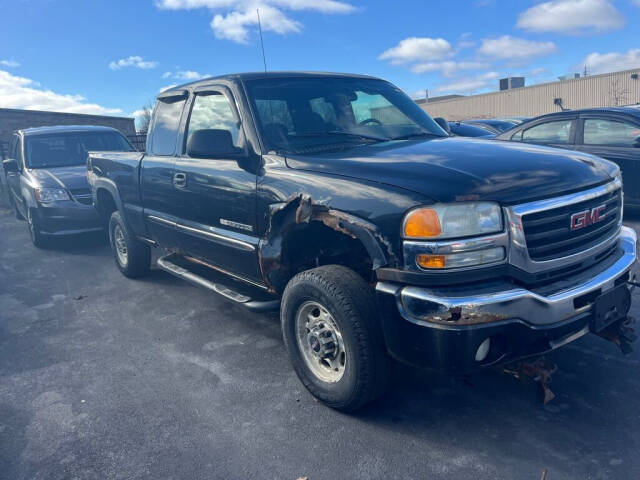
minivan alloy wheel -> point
(320, 342)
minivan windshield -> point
(313, 114)
(66, 149)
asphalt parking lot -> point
(102, 377)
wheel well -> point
(314, 244)
(105, 203)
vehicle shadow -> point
(92, 244)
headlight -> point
(48, 195)
(456, 220)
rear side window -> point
(165, 125)
(549, 132)
(609, 132)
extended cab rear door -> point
(160, 198)
(217, 192)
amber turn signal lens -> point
(430, 261)
(423, 223)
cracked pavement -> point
(102, 377)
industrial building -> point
(516, 100)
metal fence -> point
(139, 141)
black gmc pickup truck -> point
(336, 199)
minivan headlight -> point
(455, 220)
(48, 195)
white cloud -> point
(185, 75)
(571, 17)
(238, 15)
(9, 63)
(418, 49)
(512, 48)
(470, 85)
(448, 68)
(610, 62)
(133, 61)
(21, 92)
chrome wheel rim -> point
(320, 342)
(121, 245)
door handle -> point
(180, 180)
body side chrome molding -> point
(212, 234)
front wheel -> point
(13, 203)
(334, 339)
(37, 238)
(133, 258)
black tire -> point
(136, 260)
(351, 302)
(33, 222)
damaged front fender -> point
(302, 209)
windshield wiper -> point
(346, 134)
(416, 135)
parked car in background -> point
(47, 177)
(494, 125)
(611, 133)
(463, 129)
(338, 200)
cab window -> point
(212, 111)
(549, 132)
(166, 121)
(599, 131)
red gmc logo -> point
(588, 217)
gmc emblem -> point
(588, 217)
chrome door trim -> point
(214, 235)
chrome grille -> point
(549, 236)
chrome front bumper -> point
(497, 301)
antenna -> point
(264, 59)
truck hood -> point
(463, 169)
(72, 177)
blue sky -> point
(114, 56)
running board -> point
(168, 263)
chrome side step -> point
(169, 265)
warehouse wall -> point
(606, 90)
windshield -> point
(307, 114)
(66, 149)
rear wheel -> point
(332, 334)
(37, 238)
(132, 257)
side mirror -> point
(443, 123)
(636, 142)
(10, 165)
(211, 143)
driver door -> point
(217, 192)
